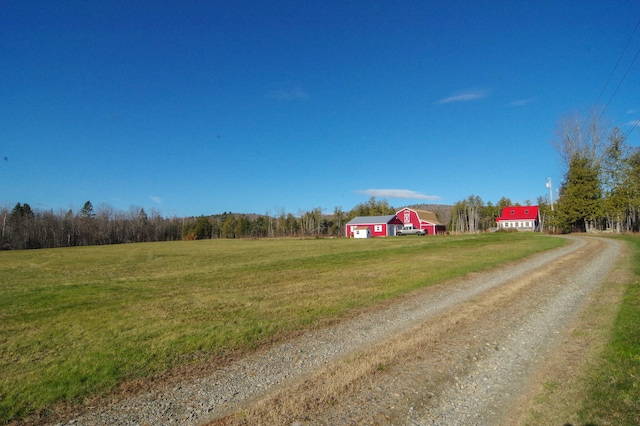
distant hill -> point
(443, 211)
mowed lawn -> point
(81, 321)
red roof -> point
(519, 213)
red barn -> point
(380, 226)
(421, 219)
(522, 218)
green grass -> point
(81, 321)
(614, 387)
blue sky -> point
(201, 107)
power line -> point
(593, 109)
(620, 83)
(616, 66)
(635, 124)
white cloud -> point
(467, 96)
(521, 102)
(156, 200)
(398, 193)
(291, 94)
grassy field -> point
(81, 321)
(613, 396)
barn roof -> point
(371, 219)
(428, 216)
(425, 215)
(519, 213)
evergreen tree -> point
(579, 205)
(242, 227)
(228, 227)
(88, 227)
(142, 233)
(87, 210)
(20, 227)
(202, 228)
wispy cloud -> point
(290, 94)
(521, 102)
(398, 193)
(466, 96)
(155, 199)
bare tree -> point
(575, 135)
(338, 220)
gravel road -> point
(460, 353)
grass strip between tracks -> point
(79, 322)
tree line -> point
(600, 192)
(473, 215)
(601, 187)
(24, 227)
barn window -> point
(513, 212)
(378, 228)
(526, 212)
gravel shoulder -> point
(464, 352)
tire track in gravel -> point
(474, 372)
(409, 363)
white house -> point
(521, 218)
(361, 232)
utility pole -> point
(550, 192)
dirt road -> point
(466, 352)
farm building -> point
(421, 219)
(379, 226)
(522, 218)
(361, 232)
